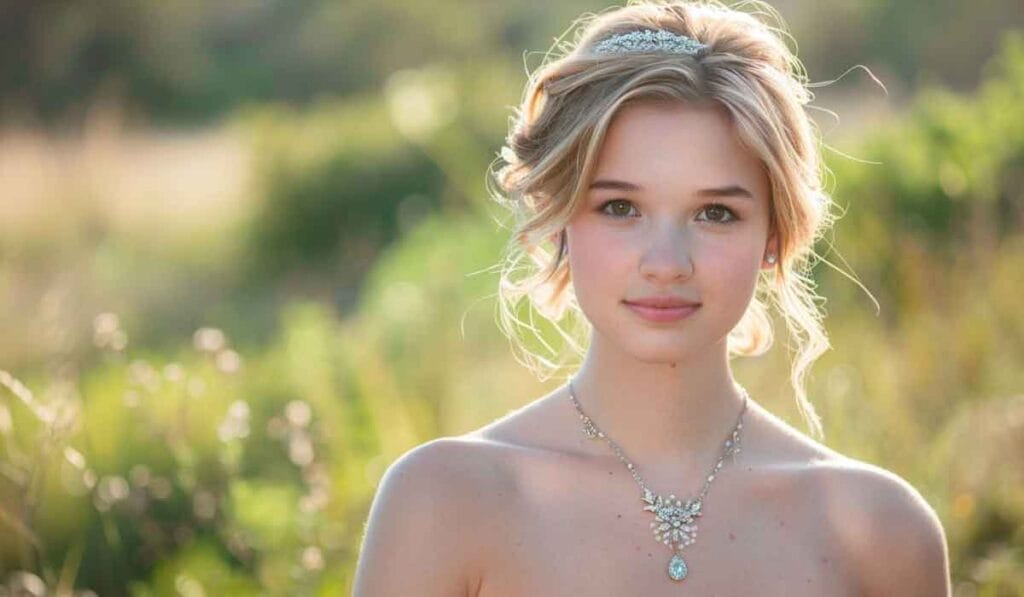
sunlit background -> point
(245, 252)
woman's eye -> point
(619, 208)
(719, 214)
(716, 213)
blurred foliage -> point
(342, 180)
(337, 183)
(137, 463)
(191, 61)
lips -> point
(663, 309)
(663, 302)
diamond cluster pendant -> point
(674, 526)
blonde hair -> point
(556, 134)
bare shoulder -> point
(417, 537)
(893, 538)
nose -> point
(667, 257)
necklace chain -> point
(674, 520)
(731, 445)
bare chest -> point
(588, 533)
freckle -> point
(610, 473)
(824, 560)
(649, 555)
(618, 516)
(731, 536)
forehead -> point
(674, 145)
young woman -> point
(670, 189)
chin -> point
(653, 346)
(659, 353)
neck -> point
(662, 415)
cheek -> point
(597, 256)
(728, 260)
(731, 271)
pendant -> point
(674, 526)
(677, 568)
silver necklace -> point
(674, 519)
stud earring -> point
(770, 258)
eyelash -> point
(732, 215)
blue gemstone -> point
(677, 568)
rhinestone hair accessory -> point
(646, 40)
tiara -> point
(645, 40)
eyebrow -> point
(732, 190)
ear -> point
(555, 238)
